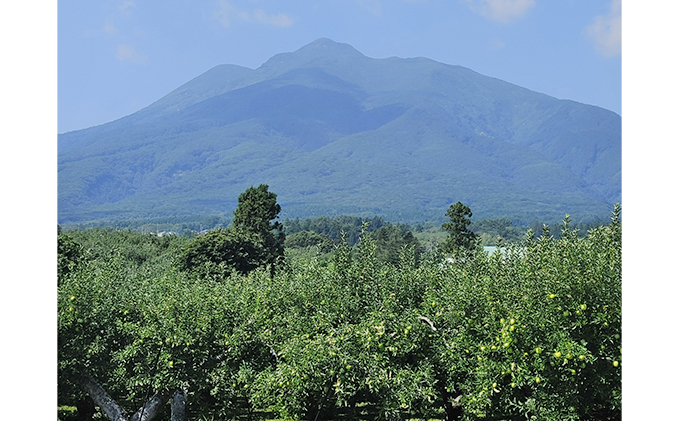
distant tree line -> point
(335, 228)
(326, 233)
(490, 230)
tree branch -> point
(178, 406)
(104, 401)
(428, 321)
(150, 409)
(115, 413)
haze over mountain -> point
(332, 132)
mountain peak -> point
(325, 46)
(333, 131)
(320, 52)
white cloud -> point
(605, 31)
(501, 10)
(128, 54)
(127, 4)
(226, 12)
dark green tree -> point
(254, 218)
(392, 240)
(253, 241)
(218, 251)
(460, 237)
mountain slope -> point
(332, 131)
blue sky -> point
(118, 56)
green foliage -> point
(491, 231)
(343, 226)
(325, 232)
(67, 413)
(460, 238)
(304, 239)
(256, 209)
(536, 331)
(221, 251)
(138, 249)
(531, 332)
(69, 255)
(391, 242)
(253, 217)
(254, 240)
(185, 225)
(156, 329)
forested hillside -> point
(337, 133)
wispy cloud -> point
(109, 28)
(226, 13)
(260, 16)
(605, 31)
(501, 10)
(124, 49)
(128, 54)
(125, 7)
(124, 10)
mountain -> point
(332, 132)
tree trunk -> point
(114, 412)
(150, 409)
(178, 406)
(104, 401)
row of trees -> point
(335, 229)
(257, 238)
(533, 332)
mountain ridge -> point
(305, 122)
